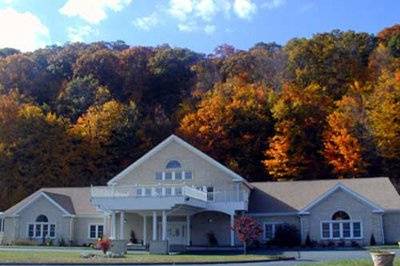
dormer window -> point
(173, 164)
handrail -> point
(160, 191)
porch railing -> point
(168, 191)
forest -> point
(322, 107)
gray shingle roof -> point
(293, 196)
(75, 200)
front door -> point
(176, 233)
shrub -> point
(104, 244)
(287, 235)
(372, 241)
(23, 242)
(61, 242)
(212, 240)
(308, 242)
(247, 229)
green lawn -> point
(74, 257)
(349, 263)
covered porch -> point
(180, 227)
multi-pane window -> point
(168, 191)
(178, 175)
(178, 191)
(168, 176)
(96, 231)
(210, 193)
(41, 228)
(269, 230)
(159, 175)
(346, 229)
(188, 175)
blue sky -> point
(200, 25)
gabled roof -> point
(71, 200)
(297, 196)
(184, 144)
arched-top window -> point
(340, 215)
(173, 164)
(42, 219)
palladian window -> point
(173, 171)
(41, 228)
(341, 227)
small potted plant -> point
(382, 257)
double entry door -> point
(176, 232)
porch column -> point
(164, 225)
(188, 230)
(121, 225)
(232, 232)
(154, 225)
(113, 225)
(144, 230)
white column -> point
(164, 225)
(121, 225)
(113, 225)
(188, 230)
(144, 230)
(232, 232)
(154, 225)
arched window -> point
(340, 215)
(42, 219)
(173, 164)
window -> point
(346, 230)
(341, 229)
(340, 215)
(178, 175)
(173, 164)
(357, 229)
(158, 191)
(168, 175)
(42, 219)
(269, 230)
(326, 230)
(159, 176)
(30, 230)
(41, 230)
(96, 231)
(139, 192)
(210, 193)
(168, 191)
(147, 191)
(188, 175)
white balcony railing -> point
(168, 191)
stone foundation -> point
(159, 247)
(119, 247)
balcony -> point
(164, 197)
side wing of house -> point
(342, 215)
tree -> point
(332, 60)
(247, 229)
(79, 94)
(294, 151)
(232, 123)
(383, 114)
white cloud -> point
(147, 22)
(180, 8)
(22, 30)
(80, 33)
(92, 11)
(202, 12)
(210, 29)
(271, 4)
(244, 8)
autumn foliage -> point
(247, 230)
(321, 107)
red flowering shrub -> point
(247, 229)
(104, 244)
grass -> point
(74, 257)
(348, 263)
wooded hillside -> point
(324, 107)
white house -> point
(177, 194)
